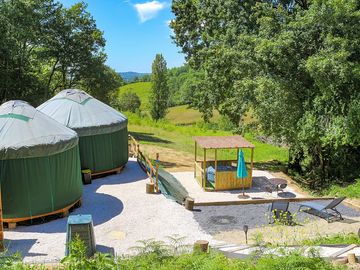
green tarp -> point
(105, 151)
(83, 113)
(26, 132)
(39, 162)
(102, 130)
(37, 186)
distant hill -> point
(131, 75)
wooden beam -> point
(260, 201)
(343, 250)
(204, 174)
(195, 159)
(15, 220)
(2, 248)
(157, 173)
(215, 160)
(251, 164)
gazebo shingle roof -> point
(222, 142)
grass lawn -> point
(183, 115)
(181, 124)
(179, 115)
(350, 191)
(142, 89)
(166, 134)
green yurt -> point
(103, 135)
(39, 163)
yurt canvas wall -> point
(39, 163)
(103, 134)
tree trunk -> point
(47, 89)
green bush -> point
(350, 191)
(128, 102)
(340, 238)
(159, 255)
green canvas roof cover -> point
(81, 112)
(26, 132)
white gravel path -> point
(123, 214)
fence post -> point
(2, 248)
(137, 150)
(157, 172)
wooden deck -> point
(112, 171)
(64, 212)
(260, 201)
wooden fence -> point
(145, 162)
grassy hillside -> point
(142, 89)
(179, 115)
(179, 138)
(181, 124)
(183, 115)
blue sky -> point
(135, 31)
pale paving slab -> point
(123, 214)
(256, 192)
(243, 251)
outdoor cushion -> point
(210, 174)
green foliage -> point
(294, 260)
(349, 191)
(341, 239)
(157, 255)
(159, 98)
(142, 78)
(294, 64)
(151, 246)
(77, 259)
(141, 89)
(127, 101)
(46, 48)
(182, 81)
(7, 260)
(167, 134)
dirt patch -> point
(170, 159)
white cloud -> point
(149, 10)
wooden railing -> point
(145, 162)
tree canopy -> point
(46, 47)
(293, 64)
(159, 97)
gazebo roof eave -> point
(222, 142)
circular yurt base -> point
(64, 212)
(116, 170)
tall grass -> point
(180, 138)
(350, 191)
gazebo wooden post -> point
(204, 169)
(1, 225)
(195, 159)
(251, 163)
(215, 161)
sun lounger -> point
(327, 212)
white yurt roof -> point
(81, 112)
(26, 132)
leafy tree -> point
(101, 81)
(159, 97)
(45, 48)
(294, 64)
(129, 101)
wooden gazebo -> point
(221, 174)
